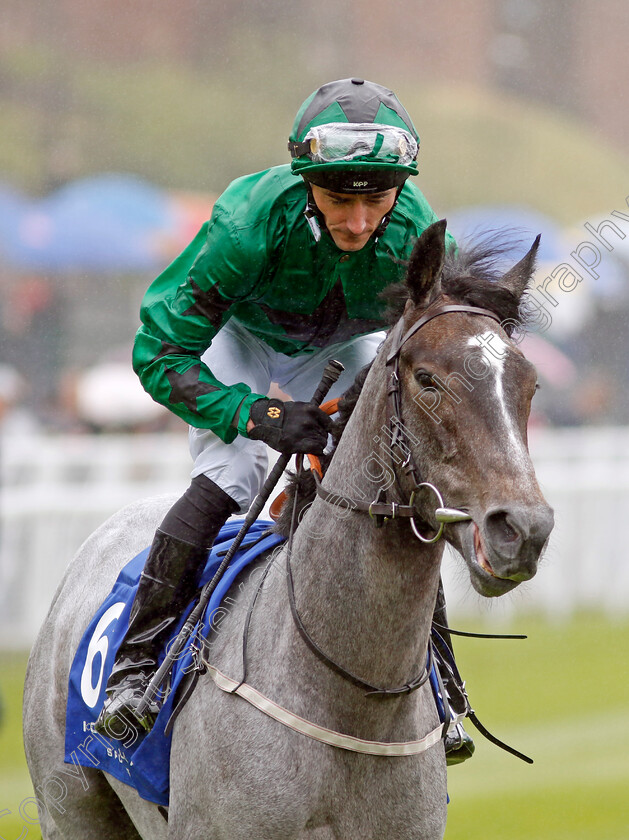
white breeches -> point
(239, 468)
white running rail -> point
(55, 490)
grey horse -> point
(364, 594)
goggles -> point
(369, 142)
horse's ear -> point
(518, 277)
(423, 277)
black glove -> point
(290, 426)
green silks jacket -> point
(257, 260)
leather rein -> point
(391, 511)
(381, 510)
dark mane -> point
(472, 276)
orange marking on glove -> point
(330, 407)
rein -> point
(381, 510)
(370, 690)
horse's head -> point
(466, 392)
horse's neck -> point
(366, 593)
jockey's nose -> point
(356, 219)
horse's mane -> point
(471, 275)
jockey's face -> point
(352, 218)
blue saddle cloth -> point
(145, 764)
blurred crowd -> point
(105, 398)
(65, 343)
(583, 381)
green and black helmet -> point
(353, 136)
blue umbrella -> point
(511, 222)
(13, 206)
(99, 224)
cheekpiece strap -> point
(390, 510)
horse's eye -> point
(537, 386)
(424, 379)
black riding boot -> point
(458, 744)
(168, 583)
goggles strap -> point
(298, 149)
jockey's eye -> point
(424, 379)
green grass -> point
(561, 697)
(15, 784)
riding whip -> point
(331, 373)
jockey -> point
(284, 276)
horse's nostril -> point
(508, 532)
(502, 528)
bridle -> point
(445, 515)
(381, 510)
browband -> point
(399, 340)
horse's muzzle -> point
(505, 549)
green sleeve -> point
(181, 313)
(451, 242)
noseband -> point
(380, 510)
